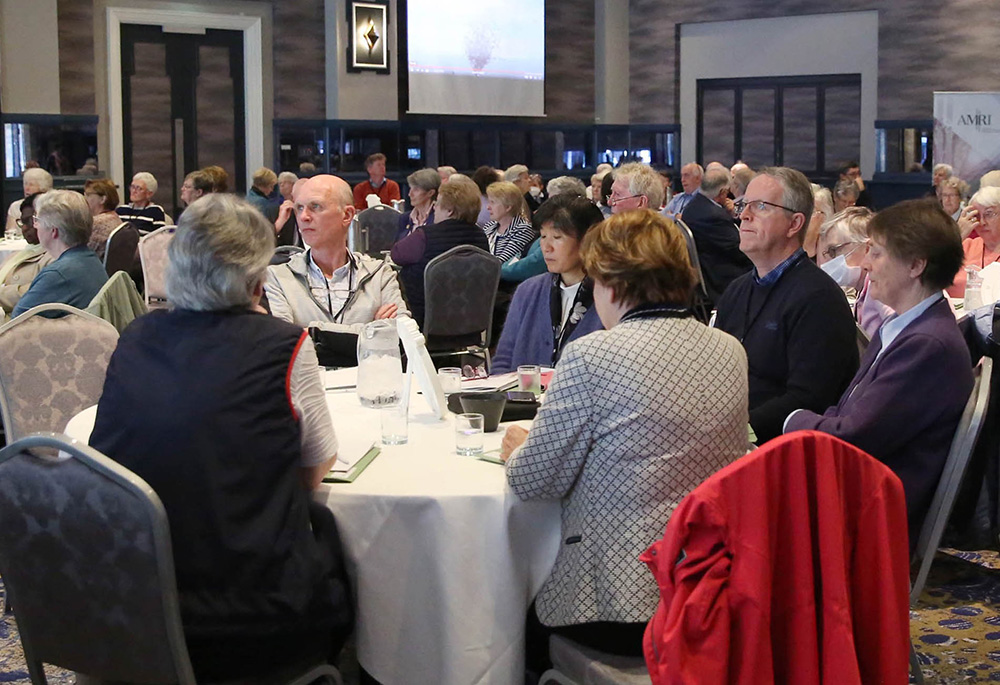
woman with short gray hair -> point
(219, 255)
(232, 399)
(64, 223)
(424, 185)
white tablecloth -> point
(444, 558)
(8, 248)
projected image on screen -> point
(476, 57)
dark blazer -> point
(718, 243)
(903, 409)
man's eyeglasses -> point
(757, 206)
(612, 201)
(27, 222)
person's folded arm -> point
(899, 404)
(308, 399)
(823, 347)
(551, 459)
(48, 286)
(410, 249)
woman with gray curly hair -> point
(221, 409)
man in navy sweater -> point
(792, 319)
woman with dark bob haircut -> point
(907, 397)
(551, 309)
(636, 417)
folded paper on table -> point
(347, 476)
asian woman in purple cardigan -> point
(553, 308)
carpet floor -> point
(955, 626)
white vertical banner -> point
(967, 132)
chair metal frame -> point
(159, 527)
(484, 347)
(962, 447)
(152, 236)
(700, 296)
(5, 412)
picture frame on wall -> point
(368, 36)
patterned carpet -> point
(955, 626)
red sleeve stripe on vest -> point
(288, 374)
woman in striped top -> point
(509, 231)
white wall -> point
(611, 64)
(838, 43)
(364, 95)
(29, 56)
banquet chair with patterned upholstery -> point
(120, 250)
(51, 368)
(375, 230)
(700, 303)
(962, 447)
(153, 255)
(460, 288)
(85, 553)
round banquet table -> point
(9, 248)
(444, 559)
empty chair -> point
(118, 302)
(153, 255)
(120, 250)
(375, 230)
(51, 368)
(85, 553)
(460, 287)
(962, 447)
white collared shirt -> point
(893, 326)
(331, 293)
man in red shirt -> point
(377, 184)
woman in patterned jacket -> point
(636, 417)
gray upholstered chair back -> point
(119, 251)
(153, 255)
(51, 368)
(700, 295)
(460, 288)
(376, 229)
(85, 555)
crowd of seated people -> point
(603, 293)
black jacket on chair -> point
(718, 243)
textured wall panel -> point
(923, 47)
(299, 61)
(569, 60)
(76, 57)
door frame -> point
(185, 21)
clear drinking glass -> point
(529, 378)
(451, 379)
(394, 425)
(973, 289)
(469, 434)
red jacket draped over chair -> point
(788, 566)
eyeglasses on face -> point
(758, 206)
(26, 222)
(612, 201)
(834, 250)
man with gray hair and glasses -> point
(715, 233)
(636, 186)
(691, 174)
(63, 222)
(141, 212)
(792, 319)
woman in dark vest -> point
(196, 403)
(455, 215)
